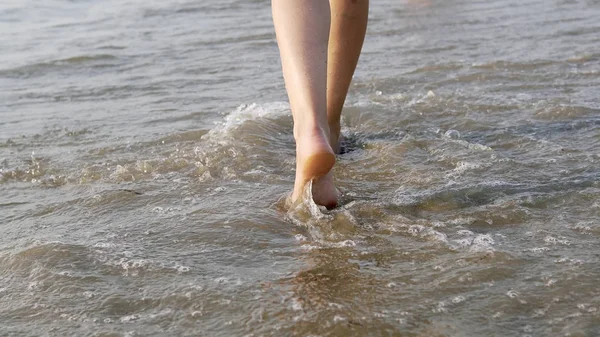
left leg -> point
(302, 29)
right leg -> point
(347, 33)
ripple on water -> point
(469, 177)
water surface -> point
(146, 146)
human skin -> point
(348, 28)
(309, 33)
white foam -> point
(345, 243)
(182, 269)
(308, 247)
(452, 134)
(474, 242)
(441, 307)
(460, 221)
(458, 299)
(104, 245)
(129, 318)
(296, 305)
(300, 238)
(538, 250)
(246, 112)
(338, 318)
(427, 233)
(463, 166)
(584, 227)
(417, 100)
(512, 294)
(552, 240)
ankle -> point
(334, 126)
(334, 131)
(311, 130)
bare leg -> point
(348, 27)
(302, 28)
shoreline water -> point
(145, 149)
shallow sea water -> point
(146, 148)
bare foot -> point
(324, 191)
(314, 161)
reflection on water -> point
(146, 153)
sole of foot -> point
(314, 161)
